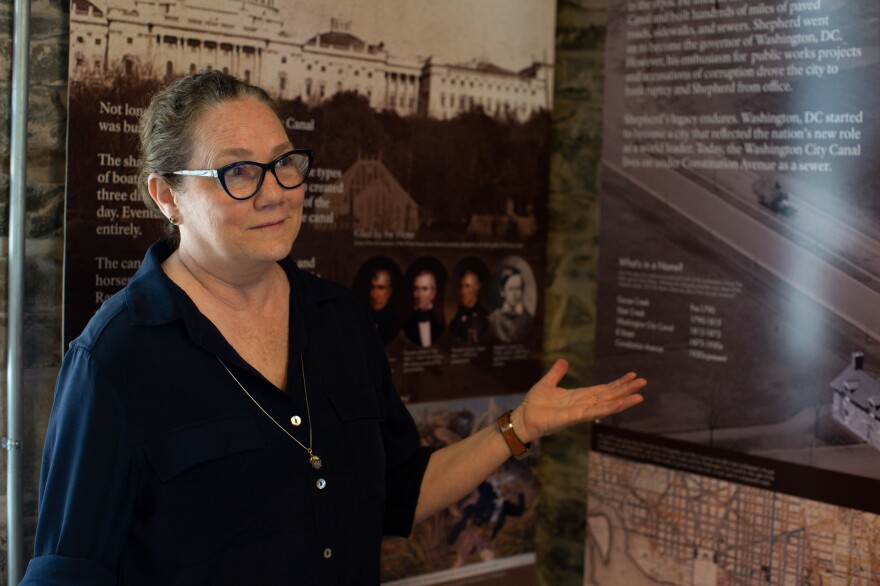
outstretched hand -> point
(548, 408)
(458, 468)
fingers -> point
(627, 396)
(621, 388)
(624, 379)
(602, 410)
(628, 383)
(548, 408)
(627, 402)
(614, 397)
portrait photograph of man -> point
(377, 284)
(425, 324)
(471, 320)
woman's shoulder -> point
(146, 299)
(106, 322)
(126, 323)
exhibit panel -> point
(427, 196)
(740, 273)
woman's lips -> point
(270, 225)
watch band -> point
(517, 448)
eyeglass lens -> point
(243, 179)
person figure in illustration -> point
(471, 319)
(424, 327)
(383, 312)
(512, 320)
(487, 507)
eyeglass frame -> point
(220, 172)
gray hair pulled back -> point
(168, 123)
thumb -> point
(556, 372)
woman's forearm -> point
(454, 471)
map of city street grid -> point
(709, 532)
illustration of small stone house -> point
(856, 401)
(378, 201)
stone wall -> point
(47, 120)
(571, 278)
(571, 256)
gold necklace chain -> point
(314, 460)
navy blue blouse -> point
(158, 469)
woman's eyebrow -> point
(245, 153)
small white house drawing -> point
(856, 402)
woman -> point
(228, 419)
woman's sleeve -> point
(87, 487)
(405, 458)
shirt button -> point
(327, 553)
(296, 420)
(321, 484)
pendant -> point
(315, 461)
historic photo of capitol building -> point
(166, 38)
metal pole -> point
(17, 193)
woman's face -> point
(216, 228)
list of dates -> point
(644, 320)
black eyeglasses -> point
(243, 179)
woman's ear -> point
(163, 196)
